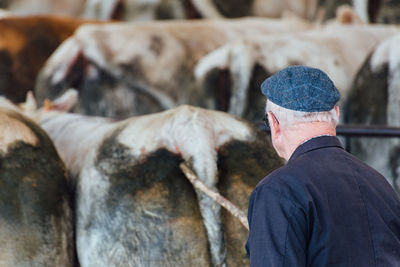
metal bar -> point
(376, 131)
(367, 131)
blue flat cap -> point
(301, 88)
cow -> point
(367, 10)
(374, 100)
(126, 69)
(134, 207)
(387, 11)
(129, 10)
(4, 13)
(239, 67)
(25, 44)
(36, 222)
(378, 11)
(143, 75)
(71, 8)
(133, 10)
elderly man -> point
(324, 207)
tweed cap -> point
(301, 88)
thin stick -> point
(235, 211)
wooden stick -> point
(235, 211)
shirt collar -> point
(316, 143)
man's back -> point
(324, 208)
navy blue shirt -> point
(324, 208)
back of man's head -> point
(300, 94)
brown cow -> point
(25, 44)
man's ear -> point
(337, 109)
(274, 124)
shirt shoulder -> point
(285, 183)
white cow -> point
(139, 10)
(5, 13)
(375, 100)
(339, 50)
(126, 69)
(133, 205)
(36, 7)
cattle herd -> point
(101, 101)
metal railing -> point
(367, 131)
(376, 131)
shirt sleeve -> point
(278, 230)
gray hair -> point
(288, 117)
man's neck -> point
(304, 132)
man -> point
(324, 207)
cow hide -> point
(43, 7)
(135, 10)
(25, 44)
(337, 49)
(36, 224)
(134, 205)
(374, 100)
(127, 69)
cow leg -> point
(206, 169)
(361, 8)
(374, 7)
(241, 66)
(393, 109)
(103, 10)
(239, 61)
(394, 162)
(67, 73)
(207, 9)
(211, 213)
(163, 99)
